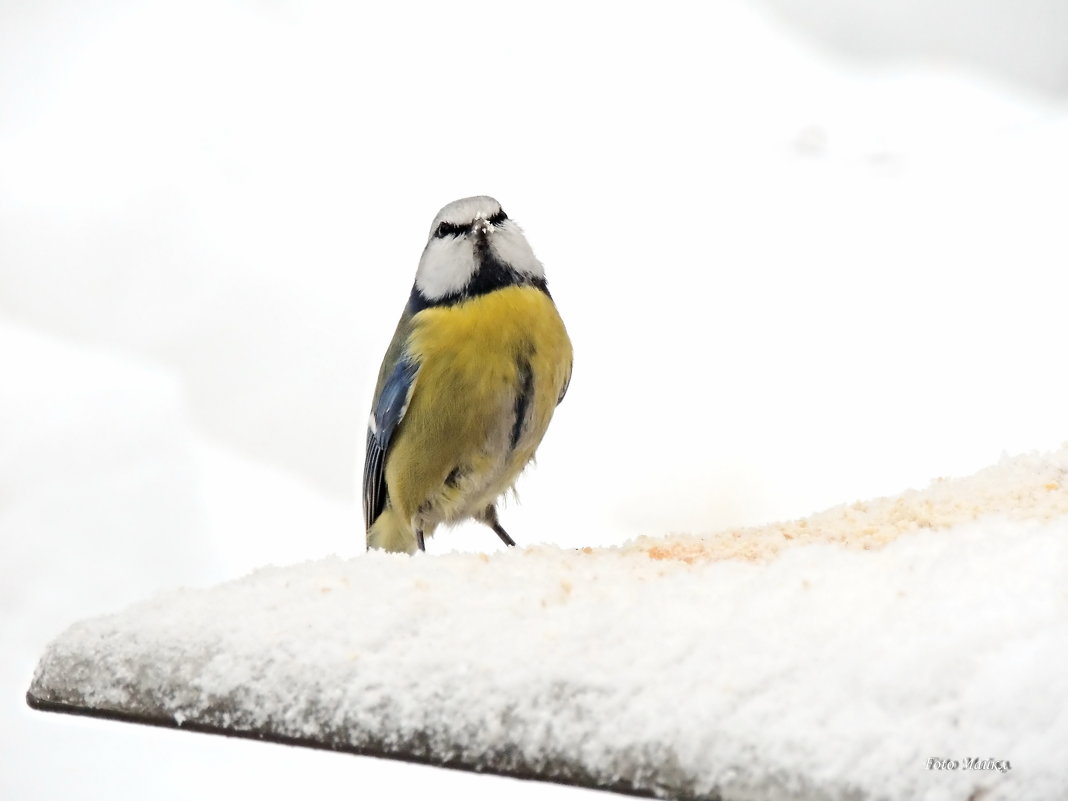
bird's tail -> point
(390, 533)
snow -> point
(92, 456)
(791, 279)
(821, 671)
(253, 221)
(1026, 487)
(1019, 41)
(109, 493)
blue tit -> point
(479, 361)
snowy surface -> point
(1021, 40)
(825, 672)
(792, 279)
(841, 250)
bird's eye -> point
(497, 218)
(448, 229)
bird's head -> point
(474, 248)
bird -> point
(469, 383)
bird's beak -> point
(482, 227)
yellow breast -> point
(483, 364)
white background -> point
(807, 253)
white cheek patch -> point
(511, 247)
(446, 267)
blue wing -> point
(390, 405)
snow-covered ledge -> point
(761, 663)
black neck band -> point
(492, 274)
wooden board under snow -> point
(829, 658)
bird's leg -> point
(503, 534)
(419, 539)
(489, 517)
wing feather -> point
(567, 383)
(390, 405)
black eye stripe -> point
(449, 229)
(453, 229)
